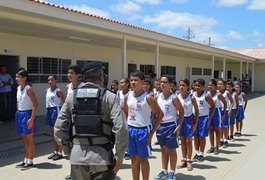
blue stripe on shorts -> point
(240, 115)
(22, 118)
(202, 129)
(51, 115)
(186, 128)
(225, 122)
(166, 136)
(138, 141)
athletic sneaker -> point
(239, 134)
(127, 156)
(20, 165)
(216, 151)
(211, 150)
(221, 143)
(195, 158)
(57, 157)
(27, 165)
(52, 155)
(200, 158)
(232, 138)
(225, 144)
(68, 177)
(162, 175)
(171, 176)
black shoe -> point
(225, 144)
(52, 156)
(68, 177)
(216, 151)
(195, 158)
(200, 158)
(127, 156)
(20, 165)
(28, 165)
(57, 157)
(221, 143)
(211, 150)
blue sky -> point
(228, 23)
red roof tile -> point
(258, 53)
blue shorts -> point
(186, 128)
(216, 119)
(202, 129)
(51, 115)
(240, 115)
(225, 122)
(138, 141)
(166, 136)
(22, 118)
(233, 117)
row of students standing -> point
(182, 113)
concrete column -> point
(247, 69)
(124, 66)
(253, 77)
(240, 71)
(213, 60)
(157, 62)
(224, 69)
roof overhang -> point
(39, 19)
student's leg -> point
(145, 168)
(217, 135)
(237, 125)
(173, 158)
(202, 141)
(135, 160)
(240, 126)
(184, 147)
(164, 157)
(30, 146)
(211, 136)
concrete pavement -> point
(243, 159)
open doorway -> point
(12, 65)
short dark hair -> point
(138, 73)
(76, 68)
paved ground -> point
(243, 159)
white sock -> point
(25, 160)
(202, 153)
(30, 161)
(225, 140)
(164, 170)
(197, 152)
(60, 153)
(171, 171)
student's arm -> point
(212, 106)
(237, 103)
(180, 110)
(197, 113)
(61, 95)
(34, 100)
(231, 103)
(222, 99)
(125, 106)
(245, 97)
(159, 114)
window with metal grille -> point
(196, 71)
(39, 68)
(147, 70)
(207, 72)
(169, 70)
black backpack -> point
(87, 120)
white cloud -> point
(256, 34)
(231, 3)
(172, 20)
(235, 35)
(126, 8)
(179, 1)
(257, 5)
(151, 2)
(90, 10)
